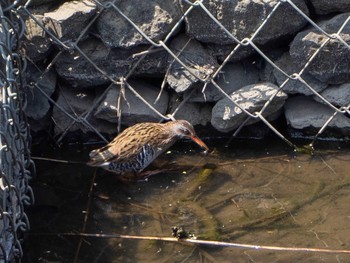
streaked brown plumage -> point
(137, 146)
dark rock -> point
(79, 72)
(75, 103)
(289, 66)
(304, 113)
(37, 104)
(36, 44)
(323, 7)
(338, 95)
(266, 68)
(331, 65)
(226, 116)
(232, 77)
(154, 18)
(153, 65)
(68, 21)
(133, 110)
(195, 113)
(242, 19)
(41, 2)
(37, 126)
(116, 63)
(222, 51)
(195, 57)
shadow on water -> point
(259, 193)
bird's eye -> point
(186, 132)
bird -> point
(139, 145)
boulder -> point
(195, 113)
(76, 102)
(242, 19)
(41, 2)
(37, 126)
(222, 51)
(154, 18)
(78, 72)
(37, 104)
(70, 19)
(323, 7)
(133, 110)
(289, 66)
(195, 57)
(265, 68)
(338, 95)
(232, 77)
(303, 113)
(154, 65)
(36, 44)
(331, 65)
(226, 116)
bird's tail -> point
(100, 157)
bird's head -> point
(184, 129)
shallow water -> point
(260, 193)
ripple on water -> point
(263, 194)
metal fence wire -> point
(15, 164)
(208, 77)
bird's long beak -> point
(199, 142)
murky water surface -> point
(251, 192)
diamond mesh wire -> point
(207, 77)
(15, 164)
(15, 140)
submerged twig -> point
(86, 217)
(328, 166)
(255, 160)
(202, 242)
(56, 160)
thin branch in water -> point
(56, 160)
(86, 217)
(201, 242)
(328, 166)
(318, 238)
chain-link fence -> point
(67, 52)
(202, 76)
(15, 163)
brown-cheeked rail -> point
(139, 145)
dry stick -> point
(119, 109)
(272, 159)
(74, 162)
(204, 242)
(56, 160)
(87, 213)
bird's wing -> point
(126, 146)
(113, 152)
